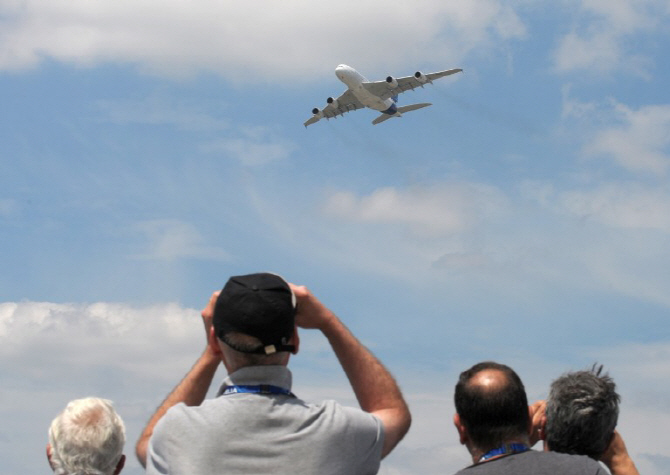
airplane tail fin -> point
(401, 110)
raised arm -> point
(374, 387)
(538, 419)
(617, 459)
(192, 389)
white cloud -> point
(473, 238)
(241, 40)
(91, 336)
(572, 108)
(599, 42)
(476, 237)
(432, 211)
(626, 15)
(637, 140)
(251, 146)
(598, 52)
(615, 233)
(641, 141)
(171, 239)
(53, 352)
(620, 205)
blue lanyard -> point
(504, 450)
(265, 389)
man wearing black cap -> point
(256, 424)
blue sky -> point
(150, 150)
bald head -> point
(489, 380)
(491, 402)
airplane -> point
(378, 95)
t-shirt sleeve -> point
(155, 461)
(158, 446)
(366, 433)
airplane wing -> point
(394, 86)
(347, 102)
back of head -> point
(491, 402)
(255, 315)
(582, 413)
(87, 438)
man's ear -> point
(49, 456)
(295, 340)
(462, 432)
(213, 341)
(119, 466)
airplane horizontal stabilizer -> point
(413, 107)
(383, 117)
(401, 110)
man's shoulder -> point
(349, 412)
(568, 460)
(180, 416)
(224, 408)
(538, 462)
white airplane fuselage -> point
(354, 81)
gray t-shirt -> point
(533, 462)
(247, 433)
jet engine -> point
(332, 102)
(391, 82)
(420, 77)
(317, 112)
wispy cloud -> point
(159, 110)
(635, 139)
(531, 237)
(620, 205)
(599, 41)
(252, 147)
(171, 239)
(616, 233)
(640, 142)
(8, 207)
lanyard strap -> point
(264, 389)
(504, 450)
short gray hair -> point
(242, 350)
(582, 412)
(87, 438)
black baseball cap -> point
(260, 305)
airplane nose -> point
(341, 71)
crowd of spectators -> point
(257, 425)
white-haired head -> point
(87, 438)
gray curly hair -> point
(582, 412)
